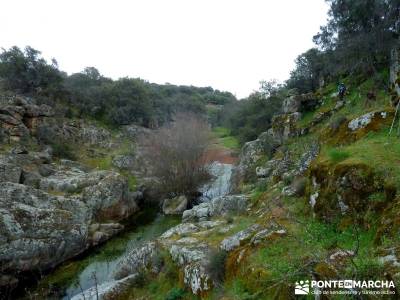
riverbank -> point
(97, 265)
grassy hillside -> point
(312, 238)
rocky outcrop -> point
(124, 162)
(20, 117)
(342, 131)
(175, 206)
(250, 155)
(72, 210)
(220, 206)
(300, 103)
(365, 120)
(136, 261)
(133, 131)
(193, 259)
(284, 126)
(342, 190)
(39, 230)
(234, 241)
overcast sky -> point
(227, 44)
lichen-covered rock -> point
(100, 233)
(175, 206)
(267, 234)
(250, 154)
(136, 260)
(307, 158)
(291, 105)
(193, 258)
(71, 180)
(181, 229)
(234, 241)
(9, 172)
(110, 197)
(22, 168)
(364, 120)
(20, 117)
(94, 135)
(263, 172)
(196, 277)
(342, 131)
(276, 168)
(37, 230)
(284, 126)
(186, 254)
(219, 206)
(342, 189)
(123, 162)
(300, 103)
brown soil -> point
(220, 154)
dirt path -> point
(219, 153)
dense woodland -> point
(114, 102)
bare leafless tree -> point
(177, 154)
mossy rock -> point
(233, 261)
(339, 133)
(346, 185)
(390, 222)
(325, 271)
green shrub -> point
(229, 220)
(338, 155)
(216, 266)
(63, 150)
(140, 280)
(175, 294)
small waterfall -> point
(220, 184)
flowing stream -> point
(220, 184)
(97, 266)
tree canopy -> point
(356, 40)
(115, 102)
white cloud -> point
(227, 44)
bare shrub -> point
(177, 154)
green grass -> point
(355, 101)
(230, 142)
(225, 138)
(221, 132)
(337, 155)
(376, 149)
(103, 161)
(306, 118)
(286, 259)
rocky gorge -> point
(287, 208)
(52, 209)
